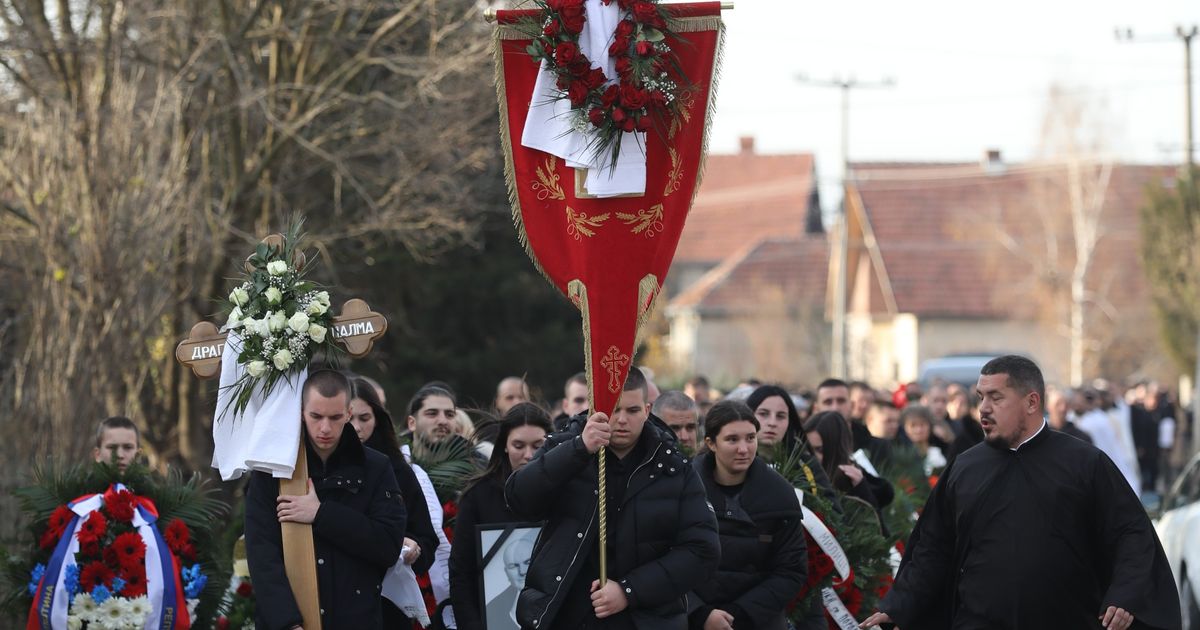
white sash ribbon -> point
(841, 563)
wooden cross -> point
(356, 329)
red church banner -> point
(609, 256)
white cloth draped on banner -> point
(266, 435)
(400, 586)
(549, 128)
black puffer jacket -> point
(358, 533)
(763, 557)
(665, 533)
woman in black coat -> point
(521, 433)
(829, 435)
(763, 558)
(373, 424)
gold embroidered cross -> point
(612, 362)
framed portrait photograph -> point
(505, 552)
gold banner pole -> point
(299, 553)
(603, 518)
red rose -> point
(625, 4)
(577, 93)
(245, 589)
(618, 115)
(610, 95)
(551, 29)
(643, 123)
(632, 97)
(565, 53)
(618, 47)
(824, 565)
(595, 78)
(645, 49)
(562, 82)
(548, 50)
(93, 575)
(628, 125)
(624, 67)
(580, 67)
(645, 12)
(573, 24)
(625, 28)
(596, 115)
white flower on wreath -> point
(282, 359)
(239, 296)
(317, 333)
(323, 298)
(317, 308)
(274, 295)
(299, 322)
(235, 318)
(139, 608)
(256, 368)
(276, 267)
(277, 320)
(111, 614)
(74, 622)
(83, 606)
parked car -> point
(955, 368)
(1179, 530)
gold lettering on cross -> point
(612, 363)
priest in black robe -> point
(1031, 529)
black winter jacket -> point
(665, 534)
(482, 504)
(763, 557)
(358, 532)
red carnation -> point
(245, 589)
(95, 574)
(130, 549)
(625, 28)
(609, 97)
(60, 519)
(94, 526)
(577, 93)
(596, 116)
(177, 535)
(824, 565)
(120, 505)
(645, 49)
(565, 53)
(135, 583)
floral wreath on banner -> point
(282, 318)
(646, 93)
(857, 530)
(106, 580)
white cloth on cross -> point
(549, 128)
(265, 436)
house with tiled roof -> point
(747, 287)
(978, 258)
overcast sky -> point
(968, 76)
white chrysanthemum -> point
(111, 614)
(74, 622)
(282, 359)
(83, 606)
(299, 322)
(276, 267)
(139, 609)
(317, 332)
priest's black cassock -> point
(1045, 536)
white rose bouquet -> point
(281, 318)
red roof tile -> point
(744, 198)
(951, 234)
(794, 270)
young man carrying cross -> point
(354, 506)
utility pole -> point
(838, 363)
(1186, 34)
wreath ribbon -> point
(828, 543)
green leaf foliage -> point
(1170, 225)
